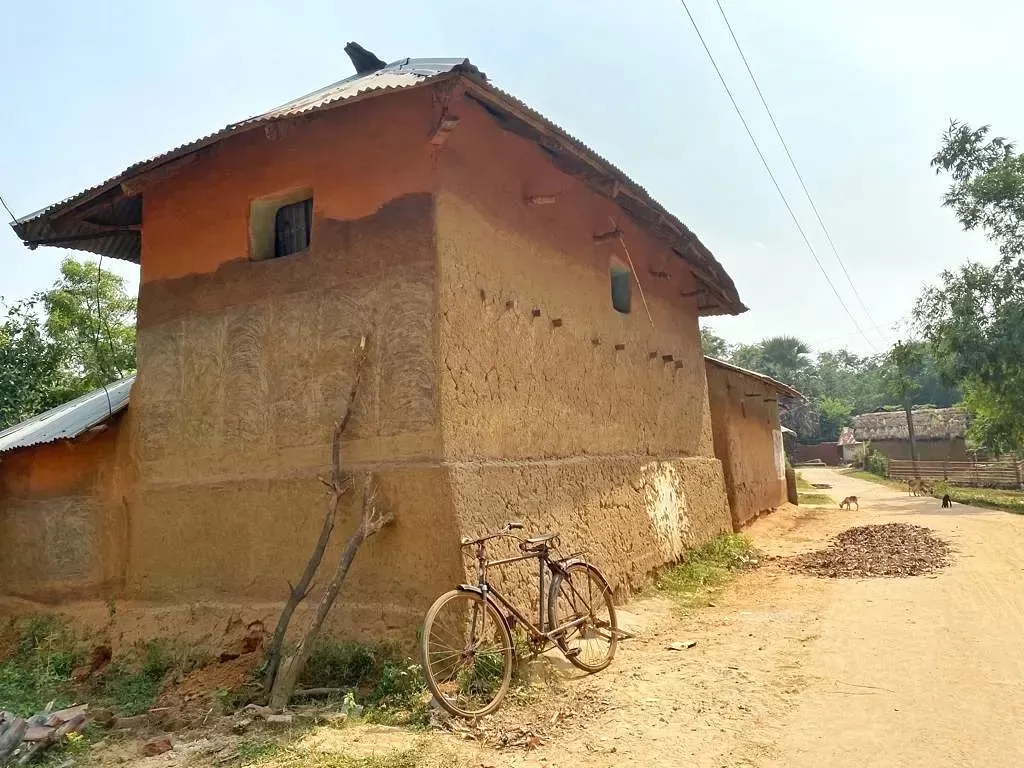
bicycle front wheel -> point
(467, 653)
(580, 596)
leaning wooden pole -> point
(292, 665)
(339, 484)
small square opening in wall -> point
(280, 224)
(622, 286)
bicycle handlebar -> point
(511, 525)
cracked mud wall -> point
(244, 368)
(745, 424)
(63, 517)
(555, 408)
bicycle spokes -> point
(467, 653)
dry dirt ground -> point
(790, 670)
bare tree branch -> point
(339, 485)
(372, 521)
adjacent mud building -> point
(515, 370)
(748, 437)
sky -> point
(861, 91)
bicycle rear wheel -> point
(580, 594)
(467, 653)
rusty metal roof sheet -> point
(783, 389)
(38, 228)
(114, 232)
(69, 420)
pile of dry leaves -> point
(893, 549)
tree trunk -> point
(298, 594)
(291, 666)
(913, 437)
(339, 485)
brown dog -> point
(845, 503)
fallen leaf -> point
(533, 742)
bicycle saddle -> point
(537, 542)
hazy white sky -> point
(862, 92)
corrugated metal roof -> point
(117, 235)
(69, 420)
(38, 228)
(778, 386)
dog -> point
(918, 487)
(946, 501)
(845, 503)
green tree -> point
(77, 336)
(30, 366)
(987, 188)
(974, 318)
(91, 318)
(713, 344)
(975, 321)
(904, 364)
(833, 415)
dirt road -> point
(790, 670)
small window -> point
(622, 287)
(292, 226)
(280, 224)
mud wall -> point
(244, 368)
(63, 517)
(745, 421)
(556, 408)
(829, 453)
(954, 449)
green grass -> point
(802, 484)
(38, 667)
(44, 652)
(132, 682)
(702, 570)
(991, 498)
(815, 500)
(379, 676)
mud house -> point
(515, 370)
(748, 437)
(939, 433)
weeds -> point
(131, 684)
(703, 569)
(380, 677)
(38, 666)
(44, 653)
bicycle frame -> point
(544, 564)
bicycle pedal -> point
(572, 653)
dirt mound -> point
(893, 549)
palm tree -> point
(785, 358)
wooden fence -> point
(1004, 473)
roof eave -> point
(783, 389)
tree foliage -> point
(974, 317)
(839, 384)
(66, 341)
(987, 188)
(714, 345)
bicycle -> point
(466, 646)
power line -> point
(792, 162)
(4, 204)
(771, 175)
